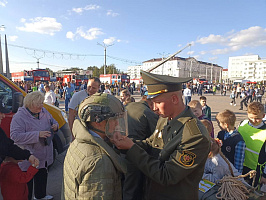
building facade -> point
(180, 67)
(250, 67)
(225, 77)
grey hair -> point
(34, 99)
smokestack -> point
(8, 75)
(1, 59)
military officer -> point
(176, 172)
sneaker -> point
(234, 104)
(231, 104)
(240, 108)
(47, 197)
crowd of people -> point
(158, 148)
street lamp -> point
(104, 46)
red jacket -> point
(13, 181)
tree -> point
(51, 73)
(110, 69)
(95, 71)
(75, 69)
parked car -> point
(12, 97)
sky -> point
(64, 33)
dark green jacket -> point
(176, 173)
(141, 120)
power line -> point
(65, 55)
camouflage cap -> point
(159, 84)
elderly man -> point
(177, 171)
(92, 168)
(78, 97)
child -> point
(233, 97)
(13, 181)
(217, 165)
(233, 144)
(206, 110)
(253, 130)
(196, 108)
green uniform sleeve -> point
(182, 155)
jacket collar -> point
(82, 134)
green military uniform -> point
(141, 124)
(176, 173)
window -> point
(6, 95)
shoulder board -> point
(193, 126)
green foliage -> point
(110, 69)
(72, 69)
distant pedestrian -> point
(68, 92)
(206, 110)
(49, 96)
(187, 94)
(233, 97)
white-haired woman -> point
(31, 128)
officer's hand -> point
(34, 161)
(54, 127)
(263, 180)
(122, 142)
(44, 134)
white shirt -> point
(77, 98)
(49, 97)
(187, 92)
(107, 91)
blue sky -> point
(60, 31)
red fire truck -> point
(31, 75)
(114, 78)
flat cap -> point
(159, 84)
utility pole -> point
(104, 46)
(8, 75)
(38, 61)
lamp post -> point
(104, 46)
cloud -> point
(87, 7)
(22, 20)
(213, 58)
(111, 13)
(3, 3)
(233, 41)
(13, 38)
(190, 52)
(70, 35)
(42, 25)
(90, 34)
(217, 39)
(109, 41)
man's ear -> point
(175, 99)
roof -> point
(184, 59)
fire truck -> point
(31, 75)
(114, 78)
